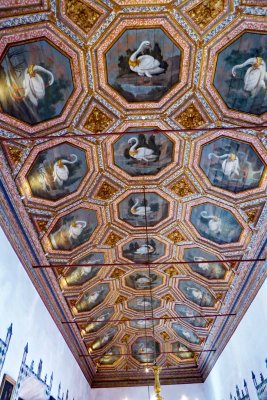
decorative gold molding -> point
(190, 117)
(165, 336)
(117, 273)
(83, 15)
(252, 214)
(167, 297)
(41, 224)
(121, 299)
(125, 338)
(175, 236)
(97, 121)
(112, 239)
(205, 12)
(106, 191)
(182, 188)
(15, 153)
(171, 271)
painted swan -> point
(230, 164)
(214, 222)
(255, 76)
(144, 349)
(141, 210)
(143, 303)
(91, 298)
(33, 83)
(204, 266)
(61, 171)
(145, 65)
(142, 153)
(59, 175)
(143, 281)
(145, 249)
(76, 228)
(196, 293)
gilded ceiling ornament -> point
(60, 270)
(81, 14)
(41, 224)
(171, 271)
(112, 239)
(210, 321)
(190, 118)
(165, 336)
(219, 297)
(252, 214)
(182, 188)
(117, 273)
(233, 264)
(72, 303)
(15, 153)
(205, 12)
(121, 299)
(97, 121)
(106, 191)
(175, 236)
(125, 338)
(167, 297)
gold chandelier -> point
(156, 370)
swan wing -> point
(252, 78)
(148, 62)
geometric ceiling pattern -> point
(133, 172)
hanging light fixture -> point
(156, 370)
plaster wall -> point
(245, 352)
(169, 392)
(21, 305)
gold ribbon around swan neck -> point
(134, 63)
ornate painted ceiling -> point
(133, 153)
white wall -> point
(245, 352)
(169, 392)
(21, 305)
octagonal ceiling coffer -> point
(38, 81)
(146, 349)
(242, 66)
(231, 164)
(215, 223)
(143, 64)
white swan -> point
(255, 76)
(61, 238)
(214, 222)
(61, 171)
(186, 334)
(142, 324)
(196, 293)
(144, 349)
(143, 281)
(141, 210)
(142, 153)
(145, 249)
(84, 271)
(182, 348)
(76, 228)
(203, 266)
(143, 303)
(145, 65)
(93, 297)
(230, 164)
(33, 83)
